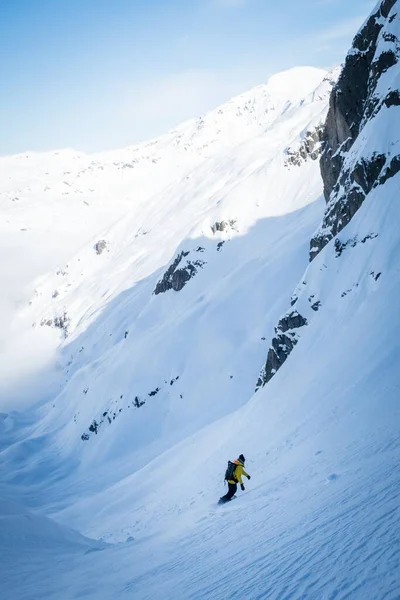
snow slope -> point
(117, 329)
(29, 543)
(161, 385)
(56, 206)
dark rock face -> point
(310, 148)
(390, 171)
(154, 392)
(351, 243)
(174, 278)
(316, 306)
(392, 98)
(281, 346)
(100, 246)
(355, 100)
(357, 183)
(291, 321)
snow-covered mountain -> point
(153, 280)
(179, 220)
(57, 206)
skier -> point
(236, 478)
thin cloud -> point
(184, 95)
(341, 30)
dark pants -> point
(232, 489)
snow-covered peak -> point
(292, 85)
(250, 113)
(323, 90)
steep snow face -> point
(320, 517)
(162, 314)
(28, 544)
(21, 527)
(143, 201)
(171, 262)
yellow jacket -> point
(239, 471)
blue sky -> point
(100, 74)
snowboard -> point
(220, 501)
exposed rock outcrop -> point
(100, 246)
(223, 226)
(309, 149)
(114, 410)
(282, 344)
(174, 278)
(61, 322)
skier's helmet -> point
(242, 458)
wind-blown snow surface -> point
(320, 516)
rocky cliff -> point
(365, 88)
(360, 152)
